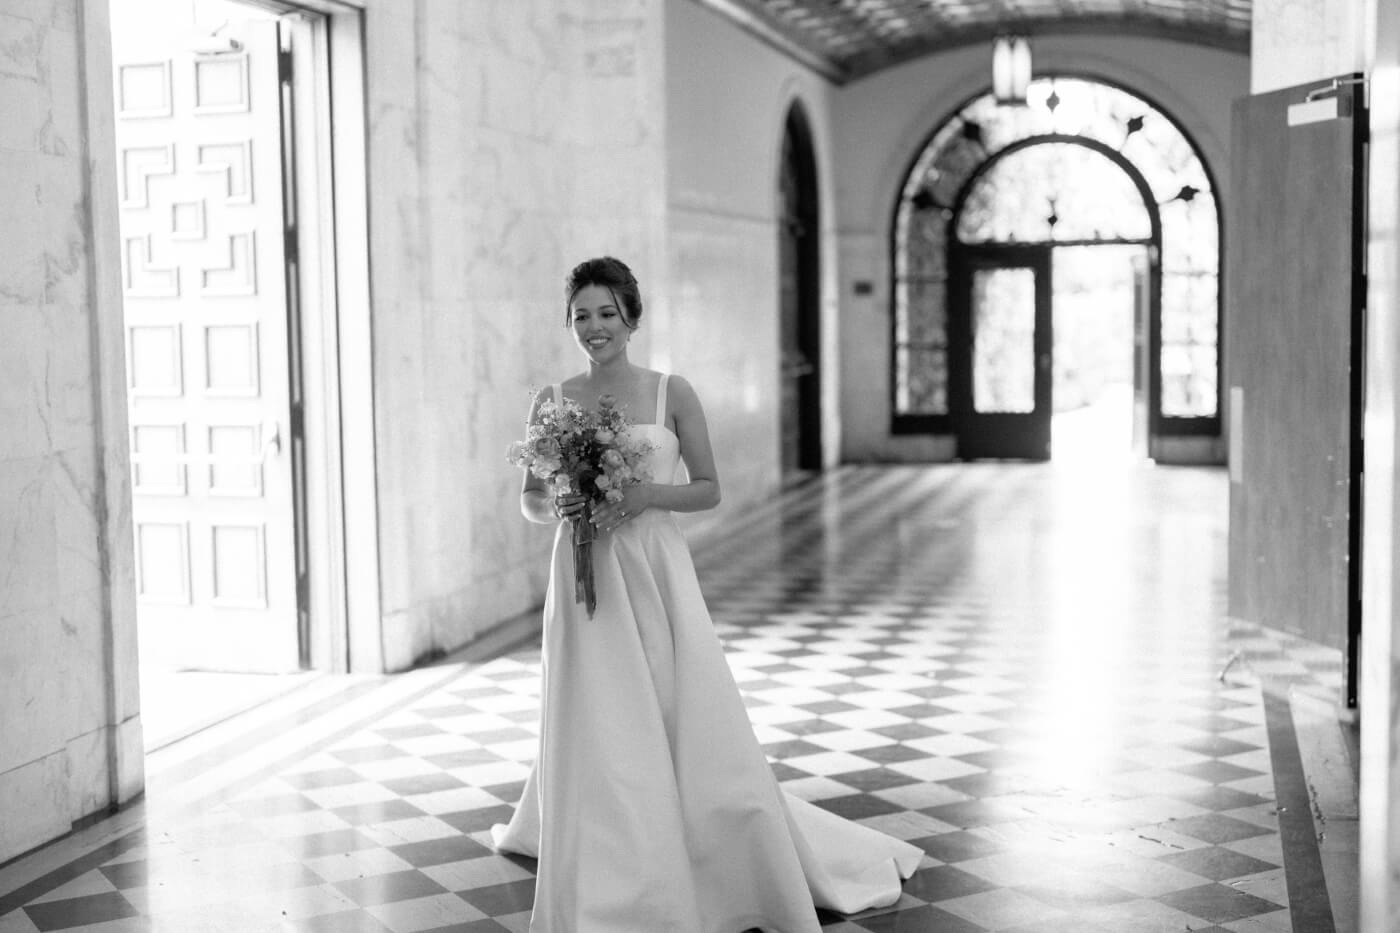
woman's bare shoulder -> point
(681, 387)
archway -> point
(1001, 197)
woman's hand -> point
(609, 515)
(569, 506)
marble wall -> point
(1293, 41)
(879, 125)
(727, 97)
(1380, 599)
(69, 719)
(1380, 647)
(507, 141)
(1379, 699)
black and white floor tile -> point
(1025, 671)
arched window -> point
(1084, 163)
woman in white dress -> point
(651, 807)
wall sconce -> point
(1011, 69)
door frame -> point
(325, 176)
(985, 434)
(328, 234)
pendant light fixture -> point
(1011, 69)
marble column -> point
(69, 702)
(1380, 648)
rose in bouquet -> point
(590, 452)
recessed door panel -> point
(1295, 351)
(799, 303)
(1003, 340)
(1000, 377)
(199, 139)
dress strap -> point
(661, 400)
(558, 390)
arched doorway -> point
(1087, 211)
(799, 299)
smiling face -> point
(598, 324)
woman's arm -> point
(701, 493)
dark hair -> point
(609, 273)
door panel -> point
(1003, 340)
(200, 167)
(798, 303)
(1294, 346)
(793, 364)
(1001, 375)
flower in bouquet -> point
(590, 452)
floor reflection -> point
(1017, 667)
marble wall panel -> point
(29, 581)
(727, 97)
(64, 548)
(1294, 41)
(23, 272)
(23, 382)
(488, 202)
(28, 105)
(41, 677)
(723, 339)
(36, 799)
(63, 131)
(65, 238)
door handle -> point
(272, 440)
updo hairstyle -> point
(609, 273)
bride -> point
(651, 807)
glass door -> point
(1001, 364)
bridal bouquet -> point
(588, 452)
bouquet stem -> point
(583, 534)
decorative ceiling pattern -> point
(849, 39)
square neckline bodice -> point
(666, 456)
(659, 418)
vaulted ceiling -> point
(849, 39)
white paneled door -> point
(199, 150)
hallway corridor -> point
(1017, 667)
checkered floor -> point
(1016, 667)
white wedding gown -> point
(651, 807)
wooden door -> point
(199, 149)
(798, 303)
(1001, 372)
(1294, 361)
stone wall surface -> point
(70, 741)
(1379, 698)
(507, 141)
(1297, 41)
(727, 99)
